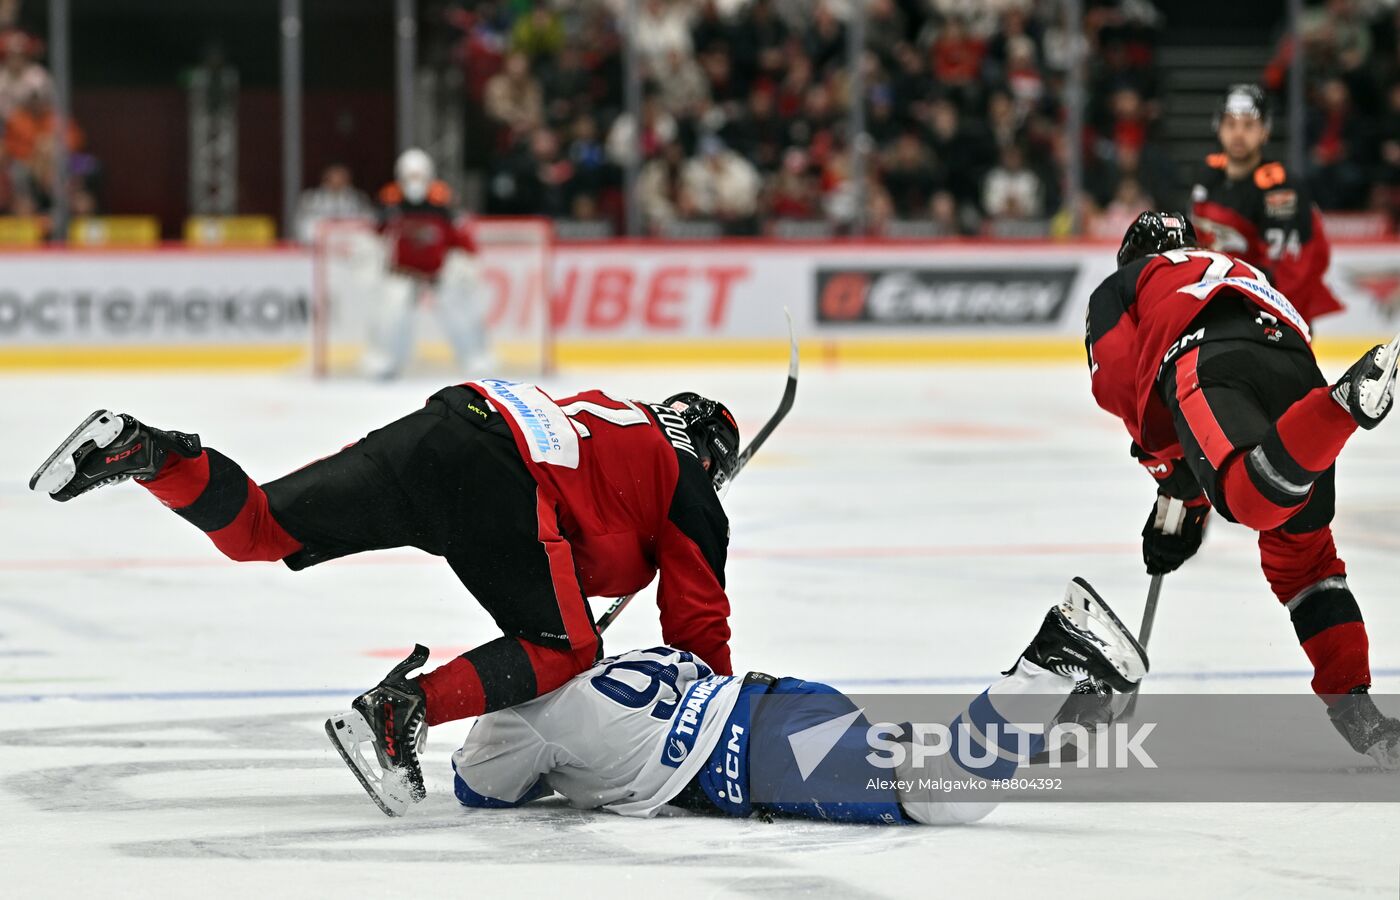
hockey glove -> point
(1173, 533)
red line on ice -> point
(104, 564)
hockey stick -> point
(1149, 615)
(1174, 518)
(784, 407)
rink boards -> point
(624, 302)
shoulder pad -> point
(1269, 175)
(439, 194)
(1217, 160)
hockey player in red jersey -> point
(1250, 207)
(535, 504)
(1211, 370)
(416, 219)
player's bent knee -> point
(1253, 507)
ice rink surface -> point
(904, 530)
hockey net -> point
(507, 284)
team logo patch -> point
(1281, 204)
(685, 728)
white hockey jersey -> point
(626, 735)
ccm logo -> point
(122, 455)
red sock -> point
(499, 674)
(1314, 429)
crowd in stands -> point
(1352, 75)
(745, 120)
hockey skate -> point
(1082, 637)
(390, 717)
(106, 449)
(1367, 730)
(1367, 389)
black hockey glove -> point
(1173, 533)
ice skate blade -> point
(101, 428)
(387, 789)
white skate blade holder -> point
(1087, 611)
(1374, 403)
(100, 428)
(351, 736)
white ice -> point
(905, 530)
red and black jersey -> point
(1146, 312)
(632, 499)
(1268, 220)
(420, 234)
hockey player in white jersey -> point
(653, 727)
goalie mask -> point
(713, 431)
(1156, 232)
(414, 173)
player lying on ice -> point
(535, 505)
(1212, 371)
(653, 727)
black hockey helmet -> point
(1243, 100)
(712, 428)
(1156, 232)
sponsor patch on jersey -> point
(1281, 204)
(685, 726)
(1264, 294)
(548, 433)
(1171, 222)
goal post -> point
(507, 287)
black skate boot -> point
(1367, 730)
(1082, 636)
(108, 448)
(390, 717)
(1368, 387)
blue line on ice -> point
(844, 683)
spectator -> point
(539, 34)
(683, 86)
(758, 44)
(1011, 190)
(956, 57)
(758, 133)
(909, 175)
(660, 188)
(710, 32)
(959, 148)
(658, 129)
(943, 210)
(1002, 120)
(1387, 178)
(20, 76)
(825, 38)
(660, 31)
(514, 99)
(722, 185)
(1336, 149)
(567, 87)
(794, 193)
(1023, 77)
(336, 197)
